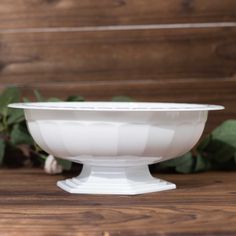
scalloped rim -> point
(115, 106)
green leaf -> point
(226, 132)
(2, 150)
(204, 143)
(186, 167)
(201, 164)
(224, 154)
(1, 127)
(15, 116)
(66, 165)
(20, 135)
(38, 96)
(75, 99)
(223, 142)
(122, 99)
(9, 95)
(53, 100)
(177, 161)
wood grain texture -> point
(172, 65)
(73, 13)
(178, 65)
(117, 55)
(203, 204)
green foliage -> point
(13, 132)
(222, 143)
(2, 150)
(15, 116)
(216, 151)
(19, 135)
(8, 117)
(10, 95)
(75, 99)
(122, 99)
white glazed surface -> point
(115, 135)
(116, 138)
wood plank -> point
(194, 65)
(186, 90)
(73, 13)
(117, 55)
(203, 204)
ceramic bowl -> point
(115, 142)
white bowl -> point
(115, 141)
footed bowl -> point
(115, 141)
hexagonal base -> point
(114, 180)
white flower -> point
(51, 166)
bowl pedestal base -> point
(114, 180)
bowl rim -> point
(115, 106)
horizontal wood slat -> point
(74, 13)
(174, 65)
(117, 55)
(190, 90)
(178, 65)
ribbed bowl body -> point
(115, 138)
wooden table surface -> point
(203, 204)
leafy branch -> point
(15, 140)
(216, 152)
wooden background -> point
(151, 50)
